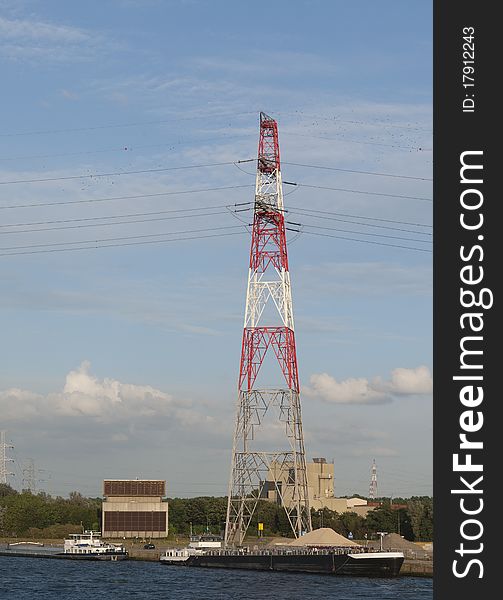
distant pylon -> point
(373, 482)
(29, 481)
(255, 460)
(4, 459)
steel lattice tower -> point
(4, 446)
(29, 477)
(254, 462)
(373, 482)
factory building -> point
(320, 487)
(134, 508)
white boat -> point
(178, 556)
(205, 541)
(198, 544)
(89, 546)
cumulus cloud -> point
(406, 381)
(105, 400)
(18, 404)
(349, 391)
(378, 391)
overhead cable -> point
(351, 191)
(96, 175)
(356, 171)
(91, 200)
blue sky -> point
(122, 361)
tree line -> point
(43, 516)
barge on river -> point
(78, 546)
(329, 561)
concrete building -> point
(320, 486)
(134, 508)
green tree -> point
(420, 509)
(381, 519)
(6, 490)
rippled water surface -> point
(34, 578)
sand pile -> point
(325, 536)
(393, 541)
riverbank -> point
(417, 568)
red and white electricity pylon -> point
(259, 468)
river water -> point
(43, 579)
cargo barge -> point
(336, 561)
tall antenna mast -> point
(254, 462)
(4, 473)
(373, 482)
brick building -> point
(134, 508)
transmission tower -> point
(4, 473)
(258, 468)
(373, 482)
(29, 480)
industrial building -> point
(134, 508)
(320, 488)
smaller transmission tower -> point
(29, 479)
(373, 482)
(4, 459)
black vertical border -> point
(456, 131)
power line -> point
(355, 171)
(293, 183)
(123, 148)
(119, 125)
(344, 139)
(115, 239)
(198, 237)
(95, 176)
(193, 191)
(85, 225)
(196, 191)
(362, 233)
(353, 122)
(204, 116)
(175, 214)
(306, 214)
(26, 249)
(326, 212)
(321, 187)
(144, 214)
(340, 237)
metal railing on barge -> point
(245, 551)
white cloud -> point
(406, 381)
(349, 391)
(18, 404)
(103, 400)
(107, 399)
(362, 391)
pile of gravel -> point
(393, 541)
